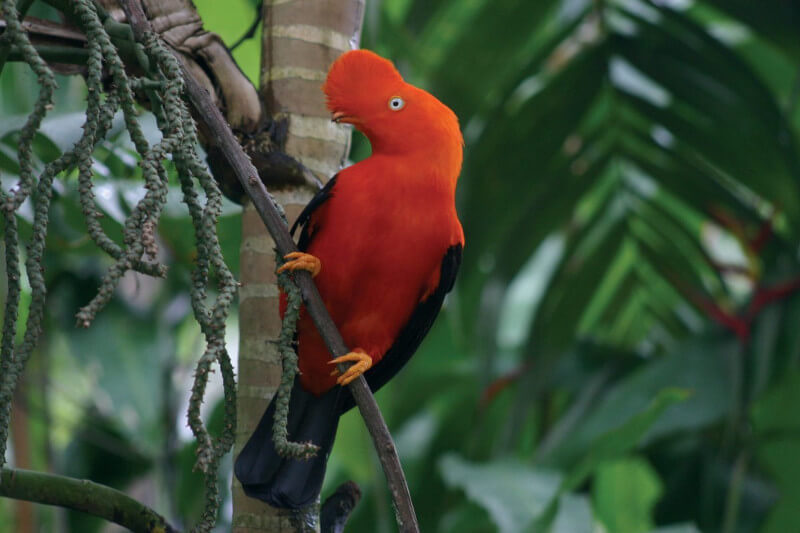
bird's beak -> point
(340, 117)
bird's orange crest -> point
(367, 91)
(357, 74)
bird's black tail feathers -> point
(283, 482)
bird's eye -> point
(396, 103)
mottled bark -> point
(300, 40)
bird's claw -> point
(301, 261)
(361, 363)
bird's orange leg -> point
(301, 261)
(362, 361)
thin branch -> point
(50, 32)
(82, 495)
(248, 176)
(61, 45)
(53, 55)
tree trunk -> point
(299, 41)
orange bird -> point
(383, 242)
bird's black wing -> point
(305, 215)
(414, 331)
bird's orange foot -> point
(362, 363)
(301, 261)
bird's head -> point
(367, 91)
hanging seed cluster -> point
(163, 85)
(286, 348)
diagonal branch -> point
(262, 201)
(82, 495)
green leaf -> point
(624, 437)
(678, 528)
(777, 432)
(785, 515)
(624, 493)
(607, 289)
(574, 515)
(773, 19)
(514, 494)
(698, 368)
(776, 410)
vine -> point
(110, 89)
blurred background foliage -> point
(622, 350)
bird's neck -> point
(435, 163)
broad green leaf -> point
(513, 181)
(578, 274)
(786, 514)
(624, 492)
(574, 515)
(776, 410)
(777, 432)
(623, 438)
(699, 369)
(678, 528)
(513, 494)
